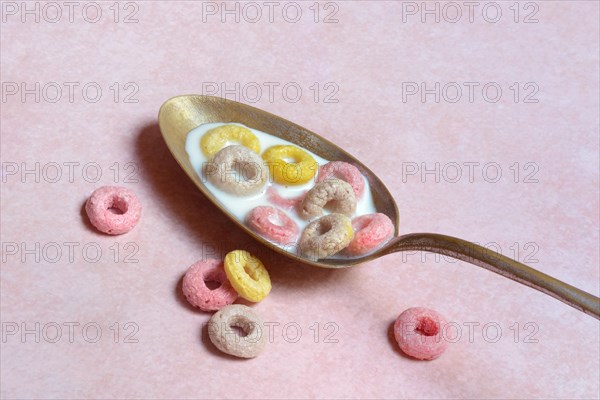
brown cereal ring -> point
(237, 170)
(326, 236)
(335, 194)
(221, 331)
(346, 172)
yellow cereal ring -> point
(301, 170)
(247, 275)
(217, 138)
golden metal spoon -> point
(181, 114)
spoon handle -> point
(495, 262)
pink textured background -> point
(368, 54)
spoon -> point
(181, 114)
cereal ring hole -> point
(427, 326)
(250, 267)
(335, 174)
(246, 171)
(118, 206)
(331, 205)
(324, 227)
(360, 224)
(232, 142)
(212, 281)
(275, 220)
(241, 326)
(251, 272)
(213, 284)
(292, 171)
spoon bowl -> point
(179, 115)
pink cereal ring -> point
(370, 232)
(199, 294)
(346, 172)
(419, 333)
(113, 210)
(273, 224)
(287, 203)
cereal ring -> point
(247, 275)
(273, 224)
(370, 232)
(418, 332)
(335, 194)
(197, 292)
(237, 170)
(326, 236)
(113, 210)
(217, 138)
(346, 172)
(284, 202)
(249, 343)
(301, 170)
